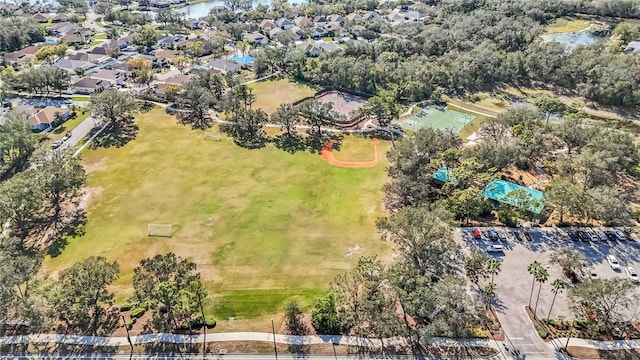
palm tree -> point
(493, 267)
(542, 275)
(558, 286)
(489, 292)
(532, 269)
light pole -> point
(570, 333)
(273, 330)
(124, 321)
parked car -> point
(527, 235)
(613, 262)
(67, 136)
(582, 235)
(502, 236)
(632, 274)
(619, 235)
(492, 234)
(495, 248)
(610, 235)
(56, 144)
(476, 234)
(593, 274)
(593, 236)
(519, 235)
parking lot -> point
(514, 282)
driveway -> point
(79, 133)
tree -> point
(493, 267)
(549, 105)
(17, 142)
(541, 276)
(180, 62)
(489, 292)
(63, 176)
(564, 197)
(609, 205)
(196, 101)
(21, 202)
(162, 281)
(383, 107)
(572, 262)
(287, 116)
(475, 265)
(194, 49)
(557, 286)
(627, 31)
(316, 115)
(293, 318)
(533, 270)
(324, 315)
(424, 237)
(608, 298)
(79, 295)
(246, 128)
(113, 106)
(146, 38)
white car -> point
(632, 274)
(613, 262)
(495, 248)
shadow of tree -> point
(315, 142)
(74, 228)
(290, 143)
(116, 134)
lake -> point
(572, 40)
(202, 9)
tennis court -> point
(437, 117)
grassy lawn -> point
(80, 98)
(262, 225)
(100, 36)
(355, 151)
(568, 24)
(96, 42)
(70, 124)
(271, 93)
(472, 126)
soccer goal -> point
(161, 230)
(212, 136)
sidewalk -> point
(233, 336)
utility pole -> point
(273, 331)
(124, 321)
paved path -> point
(79, 133)
(223, 337)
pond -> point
(200, 10)
(572, 40)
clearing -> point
(271, 93)
(262, 225)
(565, 25)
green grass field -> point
(262, 225)
(271, 93)
(568, 24)
(362, 150)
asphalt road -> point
(207, 357)
(79, 133)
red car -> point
(476, 234)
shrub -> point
(130, 323)
(210, 322)
(138, 311)
(541, 331)
(478, 333)
(507, 217)
(125, 307)
(581, 324)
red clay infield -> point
(327, 155)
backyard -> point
(271, 93)
(262, 225)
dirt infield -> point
(328, 156)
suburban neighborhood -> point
(343, 178)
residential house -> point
(309, 49)
(90, 57)
(64, 28)
(320, 20)
(72, 65)
(355, 18)
(267, 25)
(285, 24)
(113, 77)
(74, 39)
(60, 18)
(160, 3)
(356, 30)
(632, 47)
(195, 24)
(371, 15)
(40, 18)
(48, 118)
(224, 66)
(29, 51)
(335, 18)
(298, 33)
(333, 28)
(318, 33)
(166, 54)
(302, 22)
(413, 16)
(89, 85)
(156, 62)
(180, 79)
(275, 31)
(9, 8)
(329, 47)
(14, 58)
(256, 39)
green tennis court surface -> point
(437, 118)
